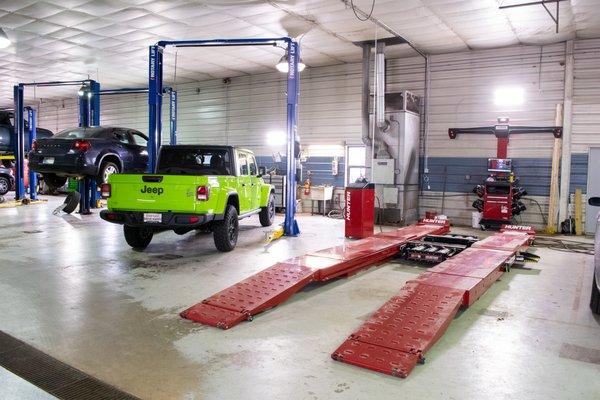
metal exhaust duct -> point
(382, 123)
(366, 137)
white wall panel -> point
(241, 112)
(462, 95)
(462, 86)
(586, 96)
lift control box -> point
(359, 210)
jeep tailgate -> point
(159, 193)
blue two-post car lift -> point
(155, 93)
(89, 115)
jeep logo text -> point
(152, 190)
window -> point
(197, 161)
(121, 136)
(252, 164)
(355, 163)
(81, 133)
(139, 139)
(243, 164)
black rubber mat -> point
(53, 376)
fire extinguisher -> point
(307, 184)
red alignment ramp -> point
(277, 283)
(395, 338)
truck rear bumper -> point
(169, 220)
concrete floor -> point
(71, 287)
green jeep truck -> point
(195, 187)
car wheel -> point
(107, 169)
(4, 185)
(595, 301)
(267, 214)
(138, 237)
(226, 231)
(54, 182)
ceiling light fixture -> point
(283, 66)
(4, 40)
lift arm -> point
(503, 132)
(499, 132)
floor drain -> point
(53, 376)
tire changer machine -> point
(499, 195)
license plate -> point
(48, 160)
(152, 217)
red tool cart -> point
(359, 210)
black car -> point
(7, 134)
(7, 180)
(94, 151)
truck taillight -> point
(82, 145)
(34, 145)
(202, 193)
(105, 190)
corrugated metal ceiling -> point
(108, 39)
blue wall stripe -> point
(534, 173)
(457, 174)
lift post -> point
(19, 143)
(89, 115)
(32, 122)
(156, 90)
(172, 115)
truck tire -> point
(4, 185)
(267, 214)
(106, 169)
(71, 202)
(137, 237)
(595, 300)
(226, 231)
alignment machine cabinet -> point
(499, 195)
(359, 210)
(194, 187)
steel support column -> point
(565, 165)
